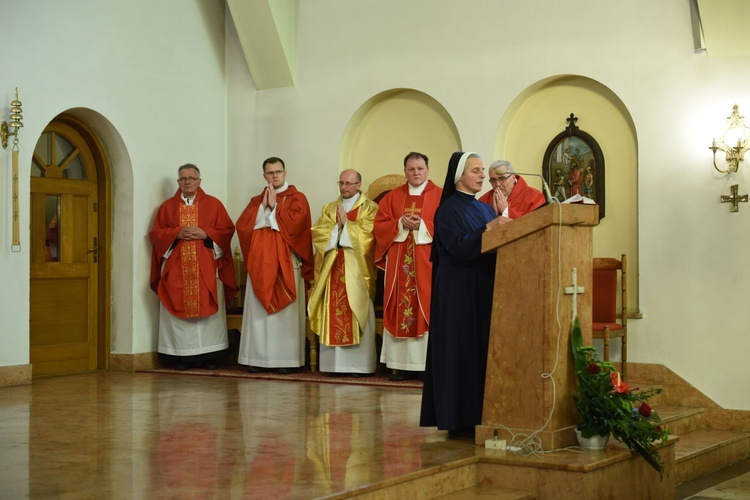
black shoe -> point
(210, 366)
(255, 369)
(286, 371)
(330, 374)
(182, 367)
(360, 375)
(462, 432)
(402, 375)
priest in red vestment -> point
(192, 272)
(403, 233)
(510, 196)
(274, 234)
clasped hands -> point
(341, 217)
(411, 222)
(499, 204)
(192, 233)
(269, 197)
(499, 201)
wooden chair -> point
(235, 309)
(604, 318)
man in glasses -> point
(404, 229)
(192, 273)
(274, 233)
(510, 196)
(340, 309)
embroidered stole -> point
(340, 317)
(190, 270)
(406, 278)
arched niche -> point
(391, 124)
(539, 113)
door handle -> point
(94, 249)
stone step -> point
(680, 419)
(702, 451)
(654, 400)
(487, 492)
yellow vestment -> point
(360, 271)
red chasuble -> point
(408, 270)
(267, 252)
(187, 284)
(522, 200)
(340, 315)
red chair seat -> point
(604, 312)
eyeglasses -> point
(187, 179)
(346, 184)
(498, 180)
(274, 172)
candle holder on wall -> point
(733, 143)
(11, 128)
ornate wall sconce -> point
(733, 143)
(15, 123)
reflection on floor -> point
(145, 436)
(116, 435)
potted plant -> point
(608, 406)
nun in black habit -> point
(462, 284)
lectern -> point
(531, 319)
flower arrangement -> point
(607, 405)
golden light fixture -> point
(733, 143)
(15, 123)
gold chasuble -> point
(344, 286)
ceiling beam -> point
(266, 32)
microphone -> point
(545, 187)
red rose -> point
(593, 368)
(645, 410)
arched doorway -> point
(69, 288)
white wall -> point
(475, 57)
(168, 77)
(154, 75)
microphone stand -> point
(545, 188)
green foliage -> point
(607, 405)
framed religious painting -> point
(574, 166)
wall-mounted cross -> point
(734, 199)
(574, 290)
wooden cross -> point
(574, 290)
(734, 199)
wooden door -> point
(64, 254)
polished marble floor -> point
(120, 435)
(115, 435)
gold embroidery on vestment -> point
(190, 268)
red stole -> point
(340, 315)
(405, 320)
